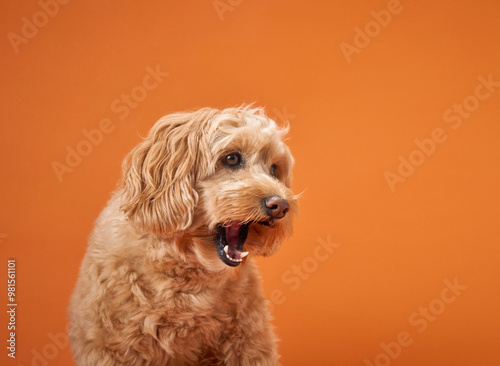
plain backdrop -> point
(394, 115)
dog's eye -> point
(273, 170)
(232, 160)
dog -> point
(169, 276)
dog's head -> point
(217, 181)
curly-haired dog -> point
(169, 278)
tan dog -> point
(169, 278)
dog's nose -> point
(276, 206)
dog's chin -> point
(231, 237)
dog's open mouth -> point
(230, 239)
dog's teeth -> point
(232, 259)
(243, 255)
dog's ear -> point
(159, 174)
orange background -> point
(350, 123)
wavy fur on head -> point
(156, 287)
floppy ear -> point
(159, 174)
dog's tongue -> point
(233, 234)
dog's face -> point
(216, 181)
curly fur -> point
(152, 289)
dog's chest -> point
(198, 318)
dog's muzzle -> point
(231, 237)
